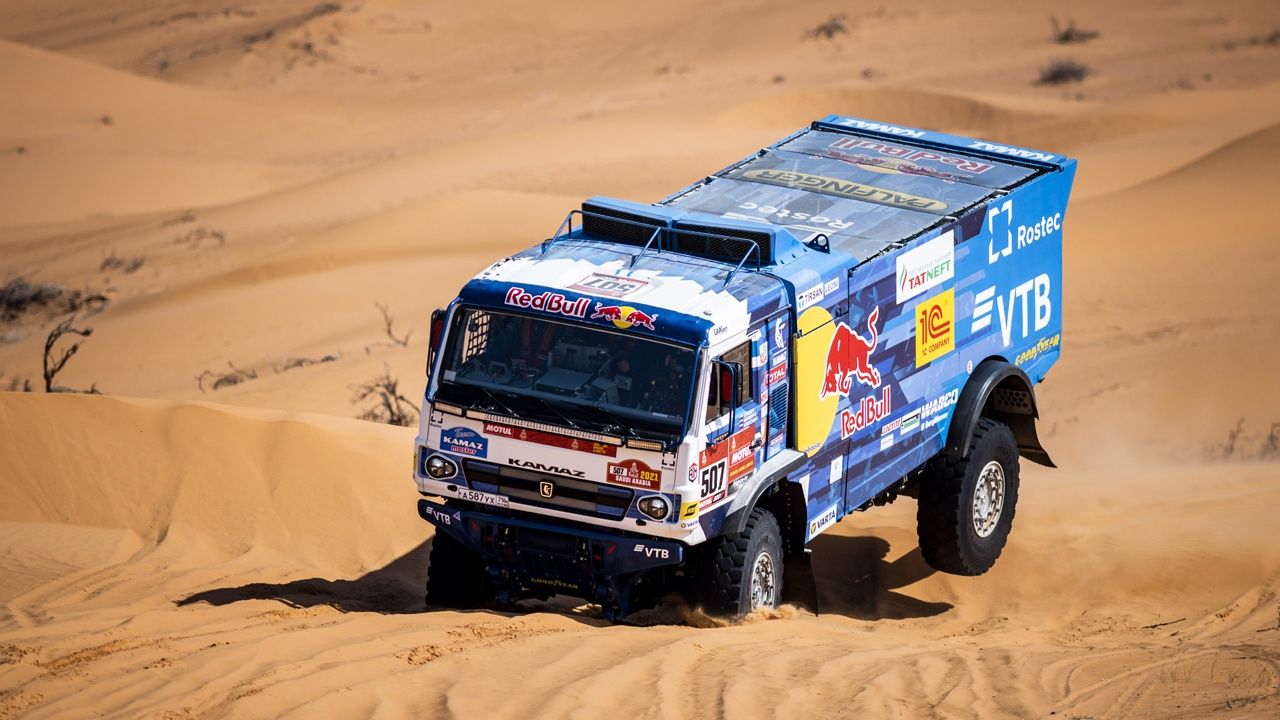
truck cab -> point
(680, 395)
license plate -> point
(483, 498)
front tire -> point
(966, 505)
(743, 572)
(456, 576)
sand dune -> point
(281, 167)
(269, 563)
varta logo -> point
(530, 465)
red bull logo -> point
(849, 358)
(624, 316)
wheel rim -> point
(763, 581)
(988, 499)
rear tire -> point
(743, 572)
(966, 505)
(456, 576)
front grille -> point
(571, 495)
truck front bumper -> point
(529, 557)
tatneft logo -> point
(549, 302)
(1000, 225)
(935, 327)
(926, 267)
(1029, 302)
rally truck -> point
(682, 395)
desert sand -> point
(176, 551)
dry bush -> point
(1239, 444)
(389, 406)
(828, 29)
(1066, 35)
(53, 366)
(195, 237)
(19, 297)
(219, 380)
(128, 265)
(1061, 71)
(16, 384)
(299, 362)
(387, 327)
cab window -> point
(718, 406)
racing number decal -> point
(713, 481)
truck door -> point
(777, 384)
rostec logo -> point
(926, 266)
(548, 302)
(530, 465)
(849, 357)
(1028, 301)
(935, 335)
(1025, 235)
(624, 316)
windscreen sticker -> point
(545, 438)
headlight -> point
(440, 467)
(654, 506)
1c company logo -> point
(935, 327)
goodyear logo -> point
(845, 189)
(935, 327)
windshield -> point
(571, 374)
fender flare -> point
(1001, 391)
(735, 520)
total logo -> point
(624, 316)
(1029, 302)
(548, 302)
(849, 358)
(1015, 238)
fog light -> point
(654, 506)
(440, 468)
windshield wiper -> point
(497, 404)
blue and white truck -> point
(682, 395)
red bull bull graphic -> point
(849, 358)
(624, 316)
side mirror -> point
(437, 332)
(728, 378)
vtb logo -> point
(546, 488)
(935, 327)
